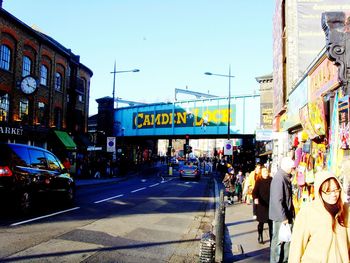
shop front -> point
(312, 138)
(58, 142)
(336, 28)
(11, 133)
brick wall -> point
(23, 40)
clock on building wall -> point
(29, 85)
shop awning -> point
(82, 141)
(66, 140)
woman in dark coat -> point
(261, 197)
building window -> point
(80, 98)
(43, 75)
(4, 107)
(58, 118)
(5, 56)
(58, 81)
(26, 66)
(23, 110)
(41, 114)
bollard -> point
(170, 170)
(220, 229)
(207, 248)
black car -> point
(28, 171)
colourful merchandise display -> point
(312, 160)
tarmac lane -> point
(135, 220)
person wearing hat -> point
(321, 232)
(229, 183)
(281, 209)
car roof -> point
(23, 146)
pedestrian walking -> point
(321, 230)
(229, 183)
(222, 168)
(239, 185)
(245, 186)
(66, 164)
(253, 177)
(261, 196)
(281, 209)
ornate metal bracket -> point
(337, 30)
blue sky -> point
(172, 43)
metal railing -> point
(220, 228)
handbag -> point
(284, 233)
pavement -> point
(240, 237)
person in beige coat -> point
(229, 183)
(321, 228)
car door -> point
(60, 180)
(38, 165)
(16, 160)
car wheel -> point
(25, 202)
(70, 195)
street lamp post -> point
(116, 72)
(229, 76)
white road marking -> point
(75, 208)
(42, 217)
(140, 189)
(109, 198)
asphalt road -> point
(142, 219)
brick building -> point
(44, 89)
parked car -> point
(189, 170)
(27, 172)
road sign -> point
(228, 147)
(110, 144)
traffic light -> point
(187, 137)
(168, 153)
(188, 148)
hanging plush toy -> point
(302, 167)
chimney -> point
(0, 4)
